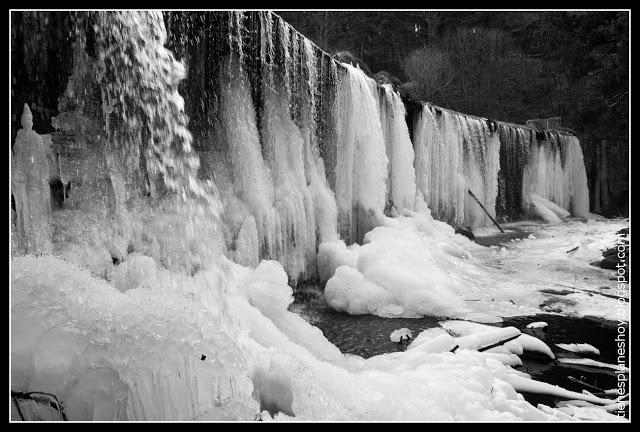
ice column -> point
(30, 187)
(401, 181)
(361, 169)
(555, 171)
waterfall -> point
(261, 138)
(138, 214)
(576, 176)
(481, 149)
(454, 154)
(361, 169)
(264, 145)
(185, 142)
(555, 171)
(514, 152)
(401, 176)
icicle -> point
(361, 169)
(564, 184)
(401, 181)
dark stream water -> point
(369, 335)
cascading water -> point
(264, 127)
(555, 171)
(117, 356)
(514, 152)
(481, 165)
(288, 91)
(401, 176)
(275, 150)
(454, 154)
(361, 169)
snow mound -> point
(222, 345)
(413, 265)
(402, 270)
(167, 351)
(400, 335)
(537, 324)
(593, 363)
(480, 335)
(579, 348)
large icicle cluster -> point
(361, 168)
(401, 175)
(300, 149)
(556, 172)
(456, 154)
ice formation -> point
(400, 335)
(222, 345)
(132, 308)
(594, 363)
(403, 269)
(476, 335)
(555, 172)
(401, 177)
(387, 277)
(110, 355)
(579, 348)
(547, 210)
(455, 154)
(361, 168)
(537, 324)
(30, 189)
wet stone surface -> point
(499, 239)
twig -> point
(586, 384)
(593, 292)
(488, 347)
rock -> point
(384, 77)
(466, 232)
(611, 260)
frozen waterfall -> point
(205, 160)
(456, 154)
